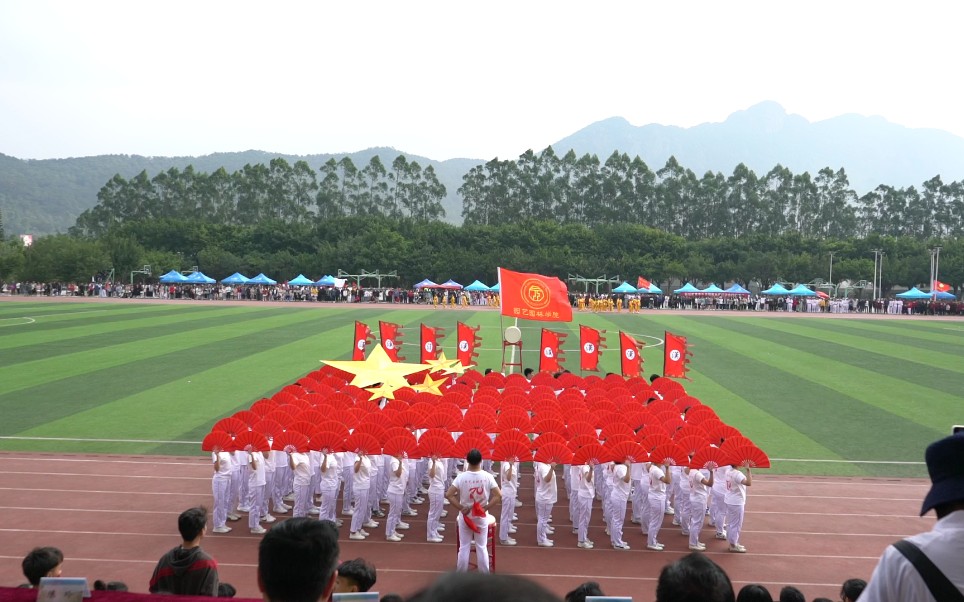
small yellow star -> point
(457, 368)
(384, 390)
(430, 385)
(378, 368)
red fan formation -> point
(612, 418)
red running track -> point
(114, 516)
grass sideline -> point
(854, 397)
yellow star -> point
(378, 368)
(457, 368)
(430, 385)
(441, 364)
(384, 390)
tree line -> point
(280, 191)
(583, 190)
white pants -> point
(697, 514)
(543, 512)
(394, 512)
(583, 515)
(434, 519)
(362, 510)
(328, 501)
(221, 487)
(256, 499)
(617, 506)
(302, 500)
(734, 523)
(656, 508)
(468, 538)
(717, 510)
(505, 520)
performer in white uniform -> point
(360, 486)
(509, 477)
(735, 498)
(397, 483)
(659, 478)
(699, 496)
(717, 505)
(329, 474)
(618, 497)
(546, 496)
(221, 487)
(300, 465)
(474, 486)
(436, 495)
(256, 484)
(585, 491)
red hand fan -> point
(459, 397)
(479, 421)
(691, 430)
(400, 445)
(708, 457)
(699, 414)
(669, 453)
(251, 442)
(554, 452)
(291, 441)
(602, 405)
(548, 425)
(247, 416)
(719, 432)
(580, 441)
(592, 453)
(263, 407)
(511, 451)
(303, 427)
(568, 380)
(652, 429)
(691, 444)
(546, 408)
(637, 419)
(484, 409)
(469, 440)
(650, 442)
(515, 398)
(661, 405)
(748, 455)
(547, 438)
(363, 443)
(280, 416)
(436, 446)
(231, 426)
(333, 426)
(734, 442)
(615, 429)
(513, 420)
(328, 441)
(268, 428)
(544, 379)
(580, 427)
(314, 416)
(218, 441)
(626, 449)
(514, 435)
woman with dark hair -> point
(589, 588)
(754, 592)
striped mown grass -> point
(821, 396)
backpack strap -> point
(937, 582)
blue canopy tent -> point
(477, 286)
(945, 296)
(802, 291)
(451, 284)
(497, 287)
(776, 289)
(625, 287)
(262, 279)
(426, 284)
(326, 280)
(173, 277)
(300, 280)
(712, 289)
(736, 289)
(913, 293)
(235, 278)
(653, 290)
(198, 278)
(687, 289)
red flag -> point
(550, 357)
(590, 347)
(632, 362)
(534, 297)
(941, 287)
(363, 336)
(391, 336)
(468, 341)
(643, 283)
(675, 356)
(430, 336)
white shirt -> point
(896, 580)
(585, 487)
(396, 484)
(302, 470)
(546, 490)
(361, 479)
(620, 488)
(509, 486)
(474, 486)
(224, 472)
(719, 479)
(657, 488)
(436, 484)
(256, 474)
(329, 478)
(698, 491)
(735, 488)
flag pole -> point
(512, 353)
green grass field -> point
(820, 396)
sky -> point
(451, 79)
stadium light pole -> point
(873, 295)
(831, 268)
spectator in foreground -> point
(297, 560)
(898, 573)
(356, 575)
(754, 592)
(187, 570)
(483, 587)
(41, 562)
(694, 578)
(851, 590)
(792, 594)
(589, 588)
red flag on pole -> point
(675, 356)
(363, 336)
(391, 336)
(643, 283)
(590, 347)
(550, 355)
(631, 362)
(534, 297)
(468, 341)
(430, 336)
(941, 287)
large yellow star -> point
(430, 385)
(378, 368)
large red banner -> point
(363, 336)
(534, 297)
(550, 356)
(631, 361)
(675, 356)
(590, 348)
(469, 340)
(391, 336)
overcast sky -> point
(452, 78)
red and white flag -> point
(941, 287)
(534, 297)
(469, 340)
(631, 361)
(363, 336)
(590, 347)
(550, 356)
(642, 283)
(675, 356)
(391, 336)
(429, 342)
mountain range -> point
(43, 196)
